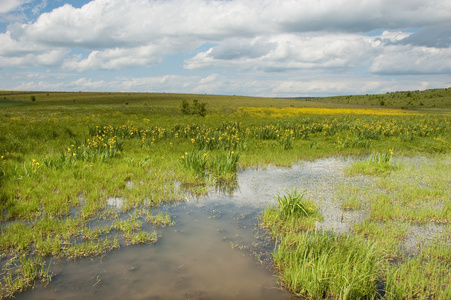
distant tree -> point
(33, 98)
(197, 108)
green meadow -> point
(82, 174)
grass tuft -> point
(318, 265)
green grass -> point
(318, 265)
(160, 219)
(418, 194)
(419, 278)
(375, 164)
(65, 155)
(292, 213)
(428, 99)
(293, 204)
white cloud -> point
(287, 39)
(313, 85)
(113, 59)
(104, 23)
(39, 7)
(7, 6)
(167, 82)
(405, 59)
(288, 51)
(43, 59)
(88, 84)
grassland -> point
(82, 174)
(424, 100)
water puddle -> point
(205, 255)
(215, 250)
(116, 202)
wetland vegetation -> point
(82, 174)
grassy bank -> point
(400, 250)
(82, 174)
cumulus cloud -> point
(247, 38)
(103, 23)
(438, 35)
(416, 60)
(112, 59)
(288, 51)
(169, 27)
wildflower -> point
(2, 156)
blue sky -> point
(275, 48)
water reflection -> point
(215, 249)
(205, 255)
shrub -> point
(196, 108)
(185, 107)
(199, 108)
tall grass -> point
(292, 204)
(419, 278)
(292, 213)
(195, 161)
(320, 265)
(225, 163)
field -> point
(82, 174)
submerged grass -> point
(375, 164)
(394, 263)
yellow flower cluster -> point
(287, 112)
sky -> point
(272, 48)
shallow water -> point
(198, 258)
(215, 250)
